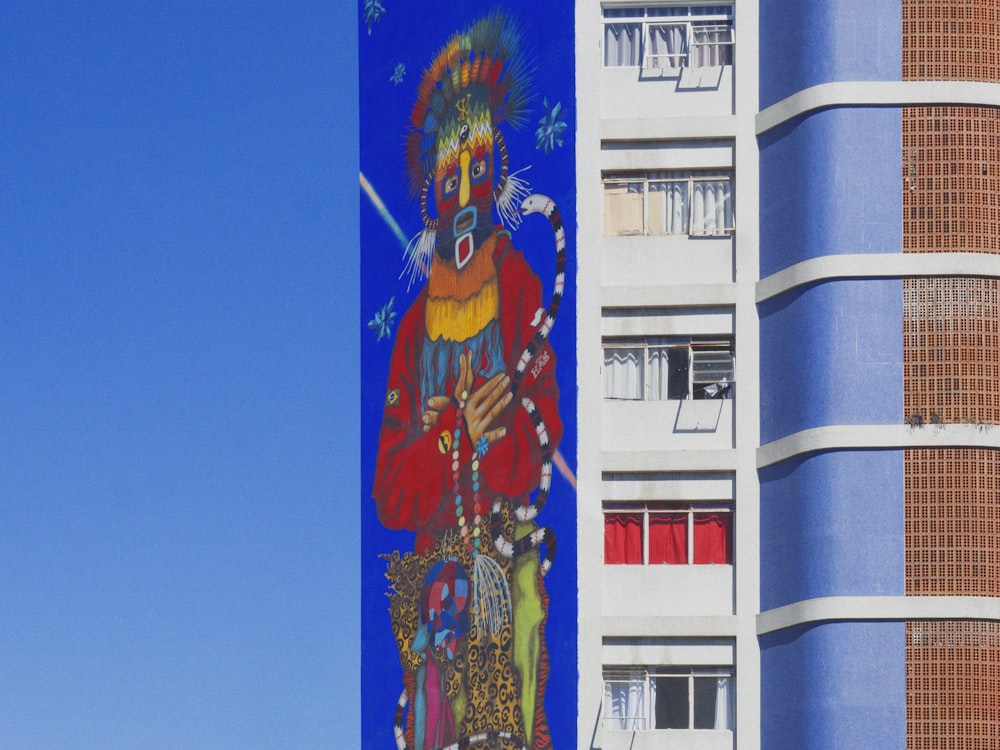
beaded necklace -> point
(490, 592)
(473, 539)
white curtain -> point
(659, 374)
(666, 46)
(623, 371)
(622, 44)
(668, 207)
(624, 702)
(725, 707)
(710, 47)
(712, 207)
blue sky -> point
(178, 375)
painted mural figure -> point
(471, 419)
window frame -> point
(713, 17)
(643, 675)
(698, 348)
(673, 507)
(701, 355)
(688, 177)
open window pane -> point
(666, 46)
(671, 707)
(660, 368)
(711, 45)
(668, 37)
(712, 374)
(680, 358)
(625, 702)
(712, 365)
(623, 538)
(668, 538)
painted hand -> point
(435, 405)
(484, 405)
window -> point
(665, 533)
(668, 38)
(657, 368)
(643, 698)
(692, 202)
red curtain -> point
(667, 538)
(712, 534)
(623, 538)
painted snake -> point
(544, 205)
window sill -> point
(654, 739)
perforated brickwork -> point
(951, 350)
(951, 373)
(952, 685)
(951, 179)
(952, 522)
(951, 40)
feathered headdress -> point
(485, 58)
(487, 55)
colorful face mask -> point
(463, 180)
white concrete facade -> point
(693, 451)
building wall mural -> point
(468, 375)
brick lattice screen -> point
(951, 40)
(951, 374)
(951, 179)
(951, 350)
(952, 685)
(952, 522)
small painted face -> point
(463, 189)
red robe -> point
(413, 476)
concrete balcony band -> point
(881, 265)
(873, 608)
(877, 94)
(877, 437)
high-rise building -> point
(788, 366)
(667, 184)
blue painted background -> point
(412, 33)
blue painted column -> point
(831, 354)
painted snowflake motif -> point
(398, 73)
(381, 324)
(373, 11)
(549, 135)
